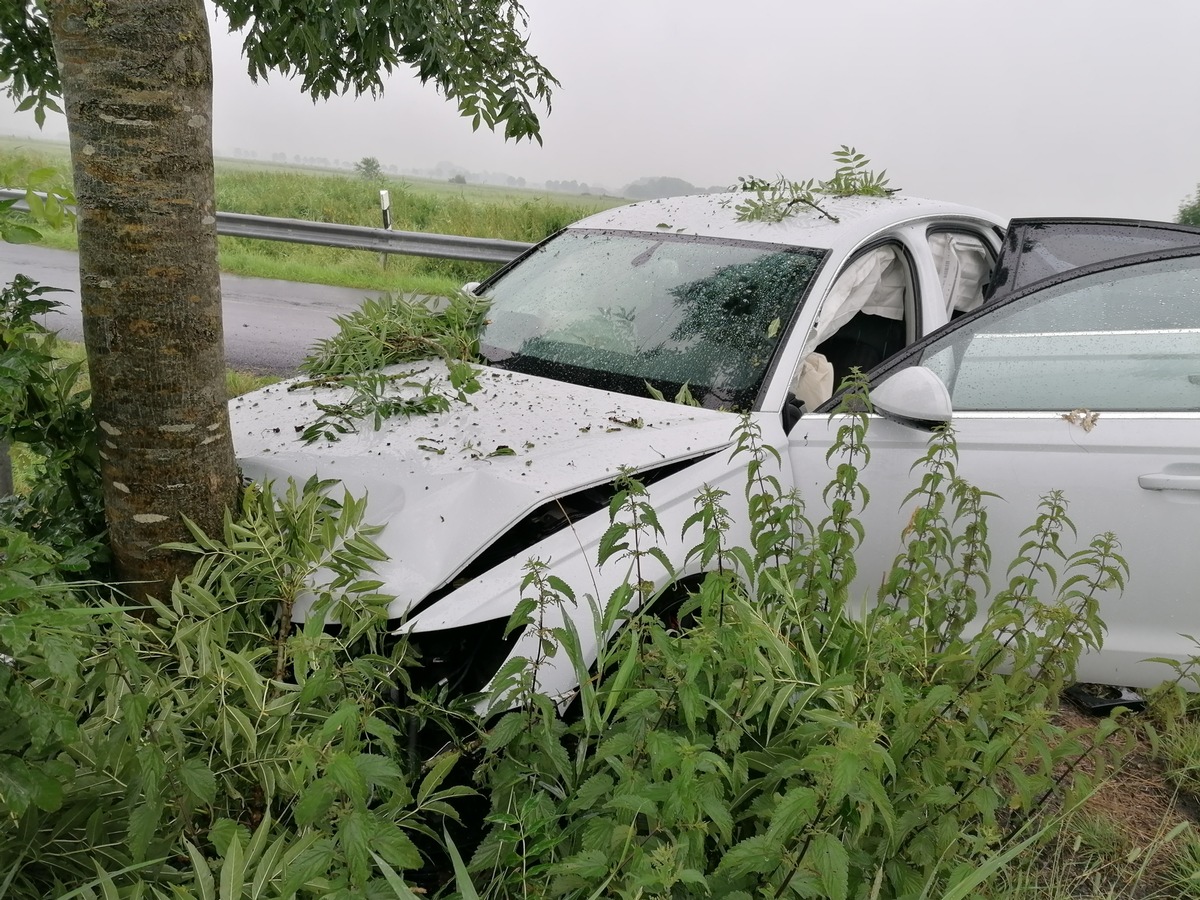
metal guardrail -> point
(353, 237)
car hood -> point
(445, 485)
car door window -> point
(1041, 248)
(964, 266)
(1124, 338)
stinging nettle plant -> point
(45, 406)
(763, 741)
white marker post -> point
(385, 206)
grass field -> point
(265, 189)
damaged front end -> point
(460, 661)
(468, 495)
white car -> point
(767, 318)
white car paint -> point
(438, 481)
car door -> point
(1034, 249)
(1088, 383)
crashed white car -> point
(1033, 333)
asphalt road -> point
(269, 325)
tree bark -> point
(137, 85)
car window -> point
(1119, 339)
(619, 310)
(964, 265)
(866, 317)
(1040, 248)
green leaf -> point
(19, 234)
(345, 773)
(397, 848)
(611, 542)
(395, 882)
(233, 870)
(462, 880)
(315, 801)
(437, 774)
(143, 824)
(198, 778)
(224, 832)
(354, 837)
(203, 874)
(832, 865)
(757, 854)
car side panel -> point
(1102, 472)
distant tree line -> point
(1189, 211)
(660, 186)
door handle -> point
(1168, 481)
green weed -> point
(766, 743)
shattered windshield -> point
(620, 310)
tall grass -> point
(260, 190)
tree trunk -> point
(137, 86)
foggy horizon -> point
(1071, 108)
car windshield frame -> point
(690, 304)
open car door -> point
(1034, 249)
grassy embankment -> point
(263, 189)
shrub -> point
(757, 736)
(216, 741)
(764, 741)
(1189, 211)
(45, 406)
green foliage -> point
(762, 741)
(382, 333)
(683, 395)
(368, 169)
(394, 329)
(773, 201)
(47, 194)
(44, 634)
(43, 407)
(27, 67)
(1189, 211)
(474, 53)
(216, 748)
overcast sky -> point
(1026, 107)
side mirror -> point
(913, 396)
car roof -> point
(715, 215)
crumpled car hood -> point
(446, 485)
